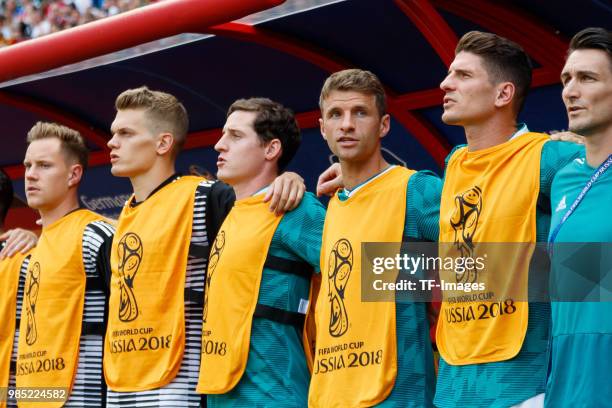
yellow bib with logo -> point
(52, 309)
(10, 269)
(488, 214)
(355, 362)
(234, 274)
(145, 337)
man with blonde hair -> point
(62, 317)
(160, 254)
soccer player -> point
(159, 255)
(390, 360)
(496, 189)
(582, 331)
(12, 275)
(258, 286)
(62, 316)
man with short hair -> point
(262, 269)
(496, 189)
(369, 353)
(159, 256)
(582, 331)
(62, 316)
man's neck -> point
(598, 147)
(355, 173)
(49, 216)
(144, 184)
(247, 188)
(488, 134)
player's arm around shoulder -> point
(17, 240)
(302, 229)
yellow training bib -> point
(52, 310)
(9, 281)
(355, 362)
(234, 273)
(489, 196)
(145, 337)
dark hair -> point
(71, 141)
(165, 112)
(593, 38)
(504, 60)
(6, 195)
(272, 121)
(356, 80)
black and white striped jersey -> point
(23, 270)
(212, 203)
(89, 389)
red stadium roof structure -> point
(106, 36)
(208, 54)
(160, 20)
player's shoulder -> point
(105, 228)
(310, 208)
(578, 165)
(204, 188)
(555, 151)
(309, 202)
(206, 183)
(216, 189)
(426, 176)
(425, 183)
(577, 168)
(453, 151)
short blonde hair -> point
(165, 111)
(72, 142)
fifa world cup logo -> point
(31, 294)
(130, 256)
(338, 273)
(213, 260)
(464, 221)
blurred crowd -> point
(24, 19)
